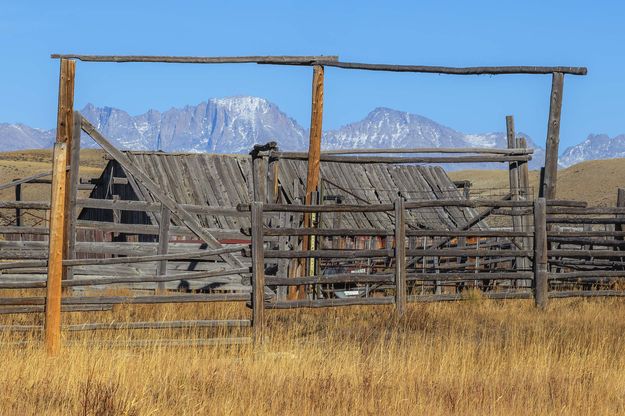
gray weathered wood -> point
(548, 187)
(180, 213)
(282, 60)
(400, 258)
(541, 283)
(258, 270)
(406, 159)
(163, 243)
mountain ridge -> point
(235, 124)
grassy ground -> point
(475, 357)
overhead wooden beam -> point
(285, 60)
(330, 60)
(550, 177)
(188, 219)
(56, 249)
(478, 70)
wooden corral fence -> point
(403, 263)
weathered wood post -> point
(73, 178)
(620, 203)
(526, 220)
(259, 171)
(18, 212)
(163, 244)
(258, 270)
(400, 257)
(58, 205)
(314, 156)
(550, 177)
(541, 284)
(56, 251)
(513, 179)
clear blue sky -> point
(461, 33)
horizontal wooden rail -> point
(453, 277)
(161, 343)
(329, 60)
(587, 241)
(135, 325)
(584, 220)
(457, 252)
(580, 233)
(157, 257)
(453, 297)
(124, 205)
(353, 254)
(434, 203)
(350, 232)
(478, 70)
(317, 254)
(585, 211)
(478, 150)
(35, 205)
(143, 229)
(328, 303)
(588, 273)
(10, 310)
(154, 279)
(585, 253)
(24, 230)
(231, 323)
(330, 279)
(110, 280)
(283, 60)
(585, 293)
(113, 300)
(406, 159)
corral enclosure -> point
(283, 230)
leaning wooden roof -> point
(226, 180)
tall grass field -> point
(471, 357)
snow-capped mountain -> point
(235, 124)
(223, 125)
(596, 146)
(20, 136)
(387, 128)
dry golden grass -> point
(476, 357)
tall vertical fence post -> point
(56, 249)
(550, 177)
(258, 270)
(400, 257)
(59, 203)
(540, 254)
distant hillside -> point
(593, 181)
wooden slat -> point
(184, 216)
